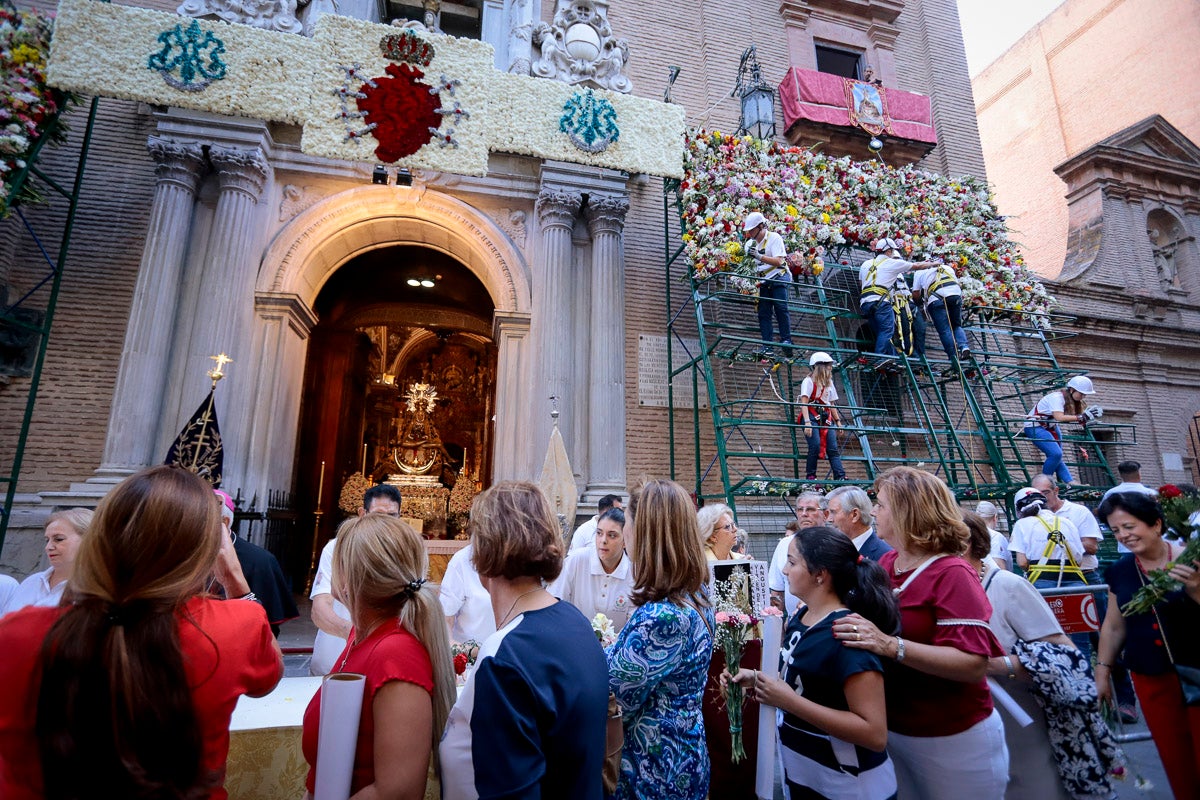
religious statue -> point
(419, 449)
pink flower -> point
(722, 617)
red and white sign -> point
(1077, 613)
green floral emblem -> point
(190, 58)
(590, 122)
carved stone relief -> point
(272, 15)
(296, 199)
(579, 48)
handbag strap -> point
(917, 572)
(1154, 608)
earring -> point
(818, 581)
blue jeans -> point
(772, 297)
(919, 326)
(831, 452)
(946, 314)
(882, 319)
(1044, 440)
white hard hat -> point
(883, 245)
(753, 220)
(1081, 384)
(1027, 497)
(820, 357)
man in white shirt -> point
(1131, 481)
(937, 288)
(877, 278)
(1083, 519)
(767, 248)
(466, 604)
(1000, 554)
(850, 512)
(585, 534)
(810, 512)
(329, 615)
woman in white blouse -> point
(599, 580)
(64, 531)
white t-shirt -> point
(773, 246)
(1030, 536)
(887, 271)
(829, 393)
(464, 598)
(1045, 408)
(585, 585)
(8, 587)
(1085, 522)
(35, 591)
(326, 646)
(1000, 548)
(924, 278)
(1018, 610)
(776, 580)
(585, 535)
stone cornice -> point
(177, 162)
(299, 316)
(606, 214)
(558, 208)
(1138, 174)
(798, 12)
(240, 170)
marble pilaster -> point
(513, 457)
(138, 397)
(553, 312)
(606, 358)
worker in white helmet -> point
(819, 416)
(1062, 405)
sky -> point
(992, 26)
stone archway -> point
(307, 251)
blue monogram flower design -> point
(590, 122)
(194, 53)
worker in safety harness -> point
(1061, 405)
(768, 251)
(1046, 546)
(878, 278)
(938, 291)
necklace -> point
(355, 642)
(1142, 566)
(514, 605)
(912, 567)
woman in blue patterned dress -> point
(658, 666)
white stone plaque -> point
(653, 372)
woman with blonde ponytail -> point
(127, 690)
(400, 643)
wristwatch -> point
(899, 649)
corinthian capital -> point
(606, 214)
(556, 207)
(176, 162)
(240, 170)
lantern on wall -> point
(757, 98)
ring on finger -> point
(856, 629)
(858, 637)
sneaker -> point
(1129, 714)
(965, 353)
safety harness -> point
(873, 289)
(945, 277)
(1054, 540)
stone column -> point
(553, 314)
(512, 455)
(606, 359)
(225, 308)
(138, 397)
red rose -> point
(1169, 492)
(460, 663)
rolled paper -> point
(764, 780)
(1010, 705)
(337, 737)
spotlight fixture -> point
(379, 175)
(403, 177)
(413, 282)
(428, 284)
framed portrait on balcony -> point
(867, 106)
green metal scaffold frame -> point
(965, 424)
(13, 317)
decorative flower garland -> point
(29, 108)
(816, 201)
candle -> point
(364, 468)
(320, 485)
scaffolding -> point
(32, 315)
(962, 423)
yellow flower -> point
(1018, 306)
(825, 217)
(792, 210)
(734, 248)
(687, 237)
(818, 268)
(23, 53)
(708, 220)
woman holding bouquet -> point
(401, 644)
(834, 726)
(658, 666)
(946, 739)
(1157, 640)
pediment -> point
(1157, 138)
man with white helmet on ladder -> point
(937, 289)
(1061, 405)
(819, 416)
(767, 249)
(878, 278)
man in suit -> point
(850, 512)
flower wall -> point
(28, 106)
(817, 202)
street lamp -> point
(757, 98)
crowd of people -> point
(914, 663)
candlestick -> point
(364, 467)
(320, 485)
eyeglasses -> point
(727, 527)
